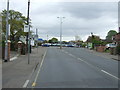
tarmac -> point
(105, 55)
(16, 72)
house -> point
(116, 38)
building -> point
(116, 38)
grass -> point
(107, 51)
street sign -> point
(26, 28)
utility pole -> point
(61, 21)
(92, 40)
(37, 38)
(7, 28)
(28, 36)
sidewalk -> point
(13, 55)
(103, 54)
(15, 73)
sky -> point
(81, 18)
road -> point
(75, 68)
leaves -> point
(16, 21)
(110, 34)
(53, 40)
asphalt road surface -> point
(75, 68)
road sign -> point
(26, 28)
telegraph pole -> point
(7, 28)
(92, 40)
(37, 38)
(28, 36)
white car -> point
(110, 45)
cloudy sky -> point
(81, 18)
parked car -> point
(110, 45)
(70, 45)
(45, 44)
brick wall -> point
(100, 48)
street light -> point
(7, 28)
(61, 21)
(28, 36)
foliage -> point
(118, 49)
(16, 21)
(110, 34)
(53, 40)
(93, 38)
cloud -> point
(89, 10)
(82, 18)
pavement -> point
(13, 55)
(17, 72)
(104, 54)
(75, 68)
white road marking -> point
(92, 66)
(80, 59)
(26, 83)
(15, 57)
(70, 54)
(109, 74)
(34, 83)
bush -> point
(118, 49)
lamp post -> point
(28, 36)
(61, 21)
(7, 28)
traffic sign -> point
(26, 28)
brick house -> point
(116, 38)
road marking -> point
(26, 83)
(80, 59)
(94, 66)
(34, 83)
(109, 74)
(70, 54)
(15, 57)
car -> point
(70, 45)
(45, 45)
(110, 45)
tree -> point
(110, 34)
(53, 40)
(95, 40)
(16, 21)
